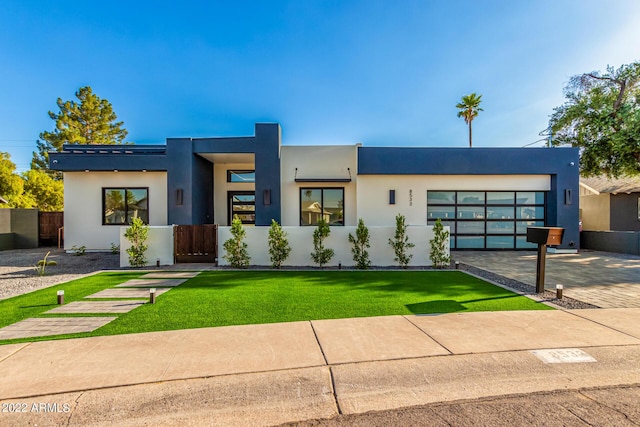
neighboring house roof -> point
(603, 184)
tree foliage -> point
(12, 185)
(46, 192)
(439, 246)
(279, 248)
(469, 107)
(235, 248)
(360, 245)
(320, 254)
(400, 243)
(90, 120)
(137, 233)
(602, 117)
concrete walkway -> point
(276, 373)
(602, 279)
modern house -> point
(487, 196)
(610, 214)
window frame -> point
(231, 204)
(126, 207)
(231, 172)
(301, 189)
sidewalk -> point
(276, 373)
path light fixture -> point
(60, 295)
(158, 262)
(152, 295)
(457, 265)
(559, 291)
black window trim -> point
(126, 208)
(344, 216)
(239, 171)
(230, 204)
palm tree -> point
(469, 107)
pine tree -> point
(90, 120)
(235, 248)
(360, 245)
(320, 254)
(400, 243)
(439, 256)
(279, 248)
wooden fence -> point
(196, 243)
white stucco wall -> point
(301, 242)
(329, 161)
(83, 205)
(411, 193)
(160, 242)
(221, 187)
(596, 212)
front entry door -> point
(243, 204)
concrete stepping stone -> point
(97, 307)
(171, 275)
(40, 327)
(151, 283)
(126, 293)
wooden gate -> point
(50, 228)
(195, 243)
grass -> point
(220, 298)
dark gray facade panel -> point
(243, 144)
(624, 212)
(624, 242)
(202, 191)
(180, 177)
(74, 162)
(267, 158)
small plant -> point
(235, 248)
(279, 248)
(43, 264)
(137, 233)
(78, 250)
(320, 254)
(438, 255)
(360, 244)
(115, 249)
(400, 243)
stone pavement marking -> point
(97, 307)
(40, 327)
(126, 293)
(118, 360)
(171, 275)
(373, 338)
(482, 332)
(151, 283)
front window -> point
(121, 205)
(316, 203)
(241, 176)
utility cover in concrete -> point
(97, 307)
(171, 275)
(563, 355)
(126, 293)
(52, 326)
(152, 283)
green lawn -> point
(219, 298)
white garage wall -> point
(301, 242)
(83, 205)
(411, 193)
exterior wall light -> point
(392, 197)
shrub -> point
(438, 254)
(137, 233)
(360, 244)
(400, 243)
(279, 248)
(115, 249)
(236, 249)
(320, 254)
(78, 250)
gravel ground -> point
(18, 275)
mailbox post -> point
(543, 236)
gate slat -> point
(196, 243)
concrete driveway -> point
(604, 279)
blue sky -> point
(384, 73)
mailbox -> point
(545, 235)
